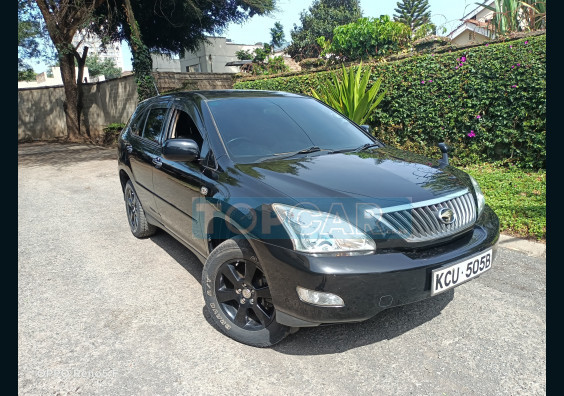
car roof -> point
(211, 95)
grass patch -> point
(517, 196)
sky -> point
(257, 29)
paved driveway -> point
(101, 312)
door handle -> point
(157, 162)
(129, 148)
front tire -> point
(238, 297)
(138, 223)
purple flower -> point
(456, 67)
(526, 42)
(488, 44)
(463, 59)
(430, 80)
(471, 134)
(449, 96)
(510, 46)
(478, 116)
(423, 82)
(458, 59)
(518, 64)
(460, 64)
(512, 67)
(514, 86)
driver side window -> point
(183, 127)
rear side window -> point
(137, 121)
(154, 125)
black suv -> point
(299, 216)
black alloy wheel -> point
(243, 295)
(237, 295)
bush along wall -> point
(488, 102)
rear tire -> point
(237, 295)
(138, 223)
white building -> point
(94, 44)
(474, 27)
(210, 57)
(42, 80)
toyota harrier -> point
(299, 216)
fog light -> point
(319, 298)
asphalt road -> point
(101, 312)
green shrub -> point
(349, 96)
(487, 101)
(369, 38)
(111, 133)
(312, 63)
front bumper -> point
(368, 284)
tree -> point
(323, 16)
(277, 35)
(102, 67)
(413, 13)
(63, 19)
(170, 26)
(167, 26)
(31, 39)
(244, 55)
(28, 34)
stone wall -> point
(41, 115)
(169, 81)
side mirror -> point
(183, 150)
(366, 128)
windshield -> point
(259, 128)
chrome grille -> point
(421, 222)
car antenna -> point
(444, 149)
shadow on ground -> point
(330, 339)
(388, 324)
(62, 154)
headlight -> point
(479, 195)
(313, 231)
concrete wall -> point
(162, 63)
(41, 115)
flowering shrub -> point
(431, 99)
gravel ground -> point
(101, 312)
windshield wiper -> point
(361, 148)
(366, 146)
(308, 150)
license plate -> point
(449, 277)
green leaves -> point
(369, 38)
(349, 96)
(320, 20)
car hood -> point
(386, 176)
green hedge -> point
(492, 108)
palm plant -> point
(517, 15)
(349, 95)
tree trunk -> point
(70, 104)
(81, 60)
